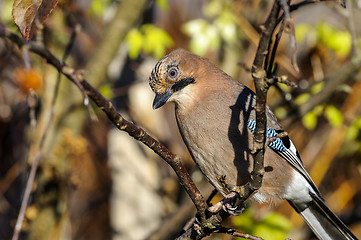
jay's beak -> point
(161, 99)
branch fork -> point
(263, 75)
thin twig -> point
(25, 200)
(273, 53)
(351, 25)
(289, 27)
(259, 75)
(117, 119)
(35, 162)
(235, 233)
(296, 6)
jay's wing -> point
(284, 148)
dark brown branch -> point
(43, 137)
(262, 64)
(296, 6)
(259, 77)
(289, 27)
(210, 224)
(117, 119)
(351, 24)
(270, 64)
(238, 234)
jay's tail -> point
(322, 221)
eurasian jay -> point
(216, 118)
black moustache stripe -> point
(182, 84)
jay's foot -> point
(229, 205)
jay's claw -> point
(230, 204)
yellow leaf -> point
(302, 98)
(302, 31)
(134, 41)
(334, 116)
(163, 4)
(339, 41)
(316, 88)
(310, 120)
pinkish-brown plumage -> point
(213, 113)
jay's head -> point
(174, 76)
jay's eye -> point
(173, 72)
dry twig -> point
(121, 123)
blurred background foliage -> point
(95, 182)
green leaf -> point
(303, 31)
(226, 24)
(302, 98)
(5, 12)
(332, 38)
(354, 130)
(339, 41)
(316, 88)
(156, 40)
(342, 43)
(245, 221)
(334, 116)
(134, 40)
(318, 110)
(213, 8)
(273, 226)
(278, 221)
(150, 39)
(204, 36)
(106, 91)
(281, 112)
(163, 5)
(310, 120)
(284, 87)
(97, 7)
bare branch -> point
(259, 75)
(35, 161)
(296, 6)
(238, 234)
(117, 119)
(351, 24)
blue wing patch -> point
(276, 144)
